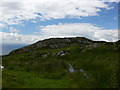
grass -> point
(18, 79)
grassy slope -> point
(28, 70)
(21, 79)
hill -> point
(62, 63)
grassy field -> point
(19, 79)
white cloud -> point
(15, 11)
(14, 30)
(79, 29)
(63, 30)
(19, 38)
(2, 25)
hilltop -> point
(63, 63)
(55, 43)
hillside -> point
(62, 63)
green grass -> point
(18, 79)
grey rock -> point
(61, 53)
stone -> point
(61, 53)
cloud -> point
(16, 11)
(2, 25)
(63, 30)
(19, 38)
(79, 29)
(14, 30)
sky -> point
(28, 21)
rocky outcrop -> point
(60, 45)
(62, 53)
(54, 43)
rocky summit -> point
(54, 43)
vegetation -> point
(44, 68)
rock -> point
(1, 67)
(61, 53)
(44, 56)
(60, 45)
